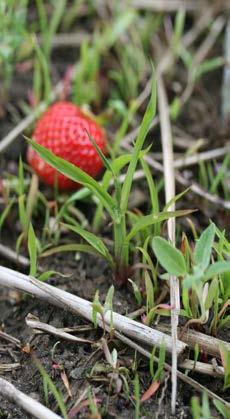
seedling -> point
(201, 276)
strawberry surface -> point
(62, 129)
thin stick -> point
(82, 307)
(28, 404)
(35, 323)
(10, 254)
(10, 339)
(169, 5)
(204, 156)
(9, 367)
(202, 368)
(167, 147)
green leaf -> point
(70, 247)
(212, 291)
(32, 248)
(217, 268)
(149, 292)
(194, 278)
(150, 219)
(203, 248)
(169, 257)
(6, 211)
(151, 186)
(46, 275)
(137, 292)
(224, 411)
(225, 357)
(21, 183)
(77, 175)
(175, 199)
(144, 128)
(92, 239)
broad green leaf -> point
(92, 239)
(150, 219)
(75, 174)
(169, 257)
(144, 128)
(203, 247)
(217, 268)
(32, 248)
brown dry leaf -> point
(151, 391)
(66, 382)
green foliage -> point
(204, 277)
(12, 35)
(169, 257)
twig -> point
(208, 344)
(209, 41)
(167, 147)
(204, 156)
(9, 367)
(10, 254)
(202, 368)
(82, 307)
(35, 323)
(10, 339)
(28, 404)
(169, 5)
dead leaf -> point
(151, 391)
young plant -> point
(201, 276)
(117, 205)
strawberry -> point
(63, 130)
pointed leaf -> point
(92, 239)
(148, 220)
(203, 248)
(76, 174)
(217, 268)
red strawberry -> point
(62, 129)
